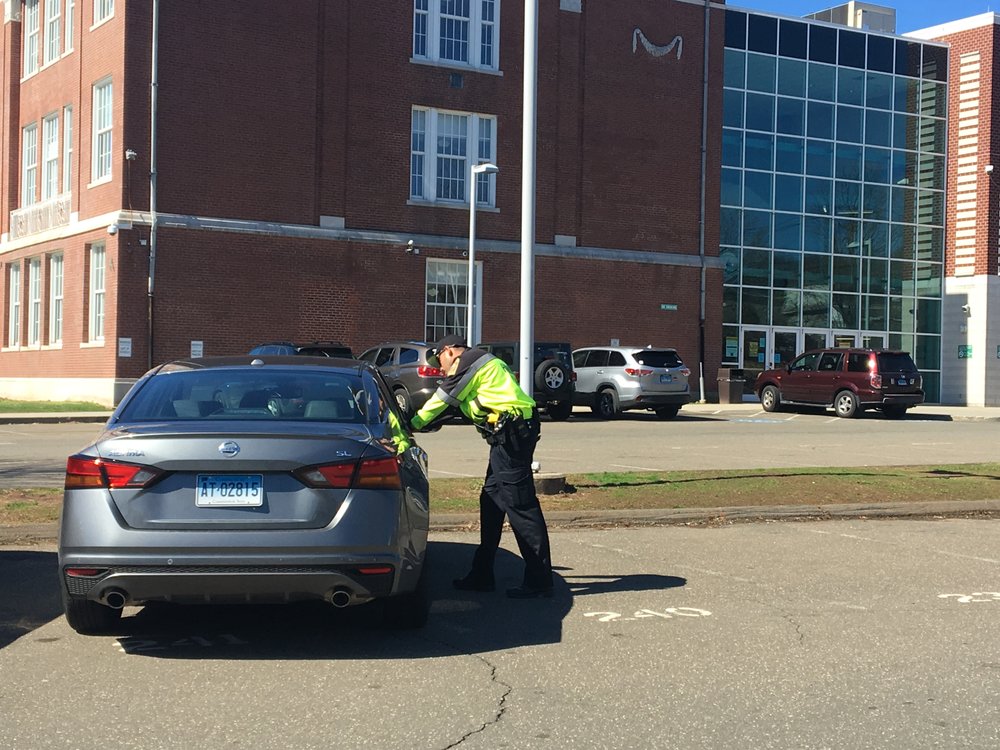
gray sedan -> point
(269, 479)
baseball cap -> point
(453, 339)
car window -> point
(561, 352)
(241, 394)
(580, 357)
(616, 359)
(804, 363)
(895, 362)
(857, 362)
(657, 358)
(598, 358)
(831, 362)
(384, 356)
(369, 356)
(506, 353)
(408, 356)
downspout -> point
(701, 220)
(153, 83)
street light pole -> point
(477, 169)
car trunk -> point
(898, 373)
(666, 376)
(253, 488)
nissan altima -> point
(248, 479)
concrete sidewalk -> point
(748, 407)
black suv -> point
(554, 378)
(314, 349)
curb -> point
(592, 519)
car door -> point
(584, 375)
(796, 382)
(828, 378)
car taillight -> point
(876, 380)
(86, 471)
(686, 372)
(372, 473)
(637, 371)
(426, 371)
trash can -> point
(730, 385)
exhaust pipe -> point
(115, 598)
(340, 596)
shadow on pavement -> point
(29, 592)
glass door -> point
(753, 357)
(845, 339)
(814, 340)
(785, 346)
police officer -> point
(486, 391)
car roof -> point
(246, 360)
(855, 349)
(629, 348)
(397, 343)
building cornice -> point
(955, 27)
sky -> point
(910, 14)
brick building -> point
(971, 310)
(297, 154)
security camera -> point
(130, 155)
(412, 248)
(988, 169)
(112, 229)
(966, 308)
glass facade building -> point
(833, 192)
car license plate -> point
(229, 490)
(668, 378)
(902, 381)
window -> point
(103, 10)
(462, 32)
(95, 330)
(446, 303)
(101, 153)
(67, 170)
(30, 25)
(70, 9)
(461, 141)
(53, 27)
(29, 165)
(34, 301)
(55, 298)
(50, 157)
(14, 309)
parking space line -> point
(640, 468)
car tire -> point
(409, 611)
(552, 377)
(606, 404)
(894, 411)
(770, 398)
(846, 404)
(403, 400)
(667, 412)
(89, 618)
(559, 411)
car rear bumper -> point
(902, 399)
(652, 400)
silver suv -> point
(404, 365)
(611, 379)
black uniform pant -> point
(509, 490)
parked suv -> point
(849, 380)
(404, 365)
(313, 349)
(553, 374)
(611, 379)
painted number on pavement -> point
(129, 645)
(668, 614)
(975, 596)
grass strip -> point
(12, 406)
(671, 489)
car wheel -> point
(552, 377)
(559, 411)
(403, 400)
(87, 617)
(607, 404)
(894, 411)
(770, 398)
(845, 404)
(409, 611)
(667, 412)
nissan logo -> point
(229, 448)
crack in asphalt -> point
(798, 628)
(501, 705)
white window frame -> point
(103, 10)
(450, 315)
(55, 299)
(103, 121)
(50, 156)
(96, 294)
(14, 306)
(424, 187)
(53, 30)
(29, 165)
(67, 154)
(30, 22)
(70, 12)
(35, 302)
(482, 51)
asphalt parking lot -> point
(860, 634)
